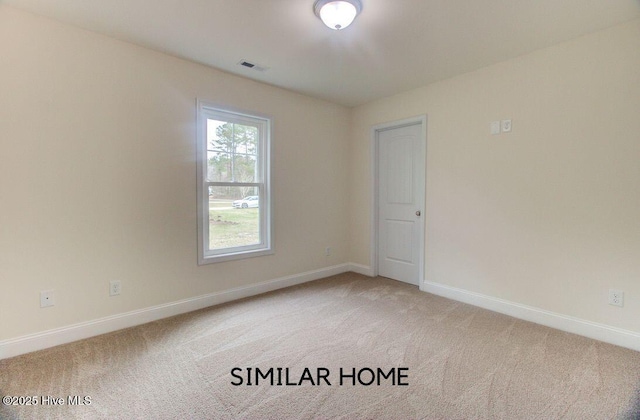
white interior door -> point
(401, 198)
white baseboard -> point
(42, 340)
(361, 269)
(601, 332)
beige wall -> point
(549, 215)
(97, 176)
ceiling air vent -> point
(252, 66)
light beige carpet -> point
(462, 363)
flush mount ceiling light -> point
(337, 14)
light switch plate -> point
(495, 127)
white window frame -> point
(205, 111)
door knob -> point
(418, 213)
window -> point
(234, 211)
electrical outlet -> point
(47, 298)
(115, 287)
(506, 126)
(616, 297)
(327, 251)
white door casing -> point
(400, 199)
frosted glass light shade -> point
(337, 14)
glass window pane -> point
(246, 139)
(219, 167)
(245, 168)
(232, 152)
(234, 217)
(219, 135)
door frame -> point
(375, 175)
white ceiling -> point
(393, 46)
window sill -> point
(234, 256)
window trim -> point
(206, 109)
